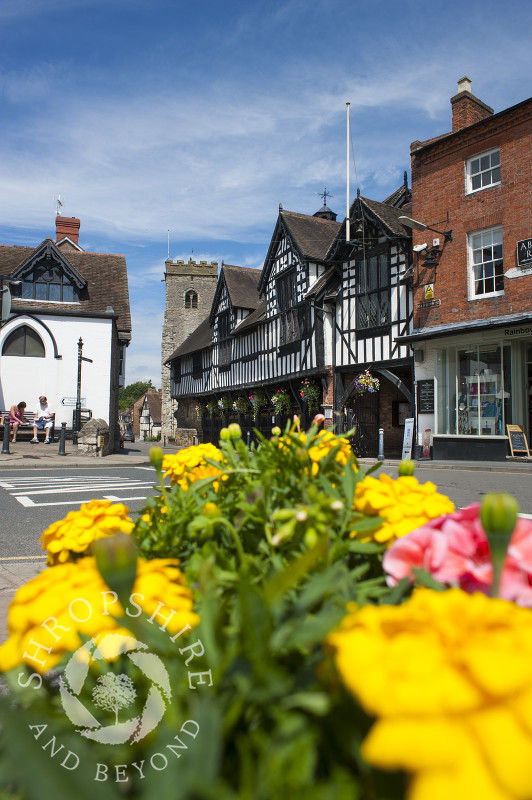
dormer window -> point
(191, 299)
(48, 283)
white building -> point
(65, 297)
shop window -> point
(486, 263)
(483, 170)
(24, 341)
(474, 390)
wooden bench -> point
(25, 433)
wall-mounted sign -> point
(524, 330)
(71, 401)
(425, 397)
(524, 253)
(429, 291)
(429, 303)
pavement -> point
(24, 455)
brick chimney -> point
(467, 109)
(67, 226)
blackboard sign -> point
(425, 397)
(518, 442)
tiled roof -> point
(328, 277)
(252, 319)
(313, 235)
(242, 283)
(388, 215)
(155, 404)
(106, 276)
(198, 340)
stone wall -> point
(179, 321)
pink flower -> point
(318, 419)
(454, 549)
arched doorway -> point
(363, 415)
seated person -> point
(16, 418)
(42, 419)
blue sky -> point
(202, 117)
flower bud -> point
(225, 435)
(235, 431)
(311, 538)
(318, 419)
(406, 467)
(211, 510)
(276, 431)
(498, 514)
(156, 457)
(116, 559)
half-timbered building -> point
(324, 310)
(372, 312)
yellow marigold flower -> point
(449, 676)
(320, 446)
(188, 465)
(404, 504)
(79, 529)
(75, 597)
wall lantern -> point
(430, 255)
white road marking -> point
(25, 488)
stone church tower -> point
(190, 289)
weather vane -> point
(325, 194)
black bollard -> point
(5, 445)
(248, 437)
(62, 440)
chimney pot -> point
(464, 84)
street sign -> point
(71, 401)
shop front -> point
(470, 387)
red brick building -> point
(472, 279)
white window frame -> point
(469, 166)
(486, 235)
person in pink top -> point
(16, 418)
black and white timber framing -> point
(320, 308)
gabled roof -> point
(199, 339)
(327, 282)
(252, 319)
(103, 278)
(401, 196)
(311, 237)
(241, 286)
(386, 214)
(154, 402)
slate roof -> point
(200, 338)
(106, 276)
(242, 285)
(312, 235)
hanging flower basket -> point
(225, 404)
(365, 382)
(211, 407)
(280, 401)
(242, 405)
(258, 401)
(311, 392)
(200, 410)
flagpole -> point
(347, 221)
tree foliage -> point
(128, 395)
